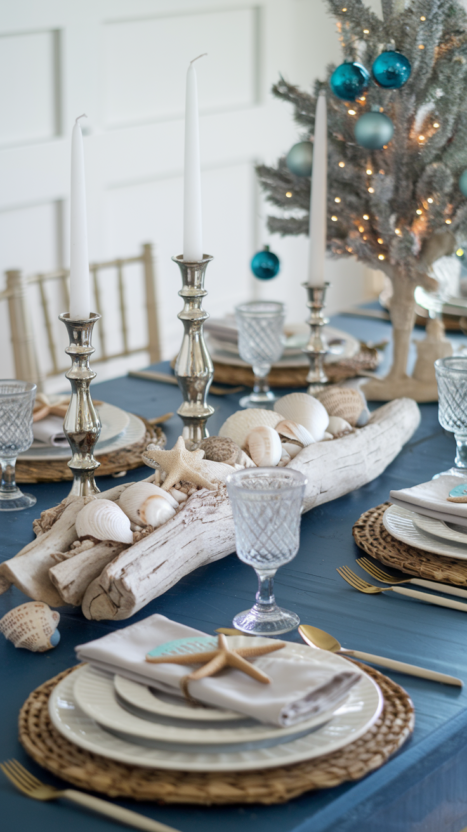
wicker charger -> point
(95, 773)
(116, 462)
(371, 536)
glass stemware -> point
(451, 375)
(260, 343)
(16, 406)
(266, 505)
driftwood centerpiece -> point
(112, 580)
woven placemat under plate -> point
(95, 773)
(371, 536)
(29, 471)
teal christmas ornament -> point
(391, 70)
(463, 182)
(299, 159)
(265, 264)
(373, 130)
(349, 81)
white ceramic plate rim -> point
(146, 699)
(439, 528)
(133, 433)
(399, 522)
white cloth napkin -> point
(50, 431)
(431, 498)
(298, 689)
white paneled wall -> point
(123, 63)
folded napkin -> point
(298, 689)
(431, 498)
(50, 431)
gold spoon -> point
(318, 638)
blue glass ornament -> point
(463, 182)
(299, 159)
(265, 264)
(391, 70)
(373, 130)
(349, 81)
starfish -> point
(216, 660)
(180, 464)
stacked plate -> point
(138, 725)
(119, 429)
(426, 533)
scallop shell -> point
(295, 432)
(33, 626)
(306, 411)
(338, 425)
(215, 471)
(141, 502)
(292, 449)
(104, 520)
(264, 446)
(221, 449)
(239, 425)
(345, 402)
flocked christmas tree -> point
(394, 201)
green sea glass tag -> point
(182, 646)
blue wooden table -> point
(422, 789)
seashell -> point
(305, 410)
(179, 496)
(295, 432)
(327, 436)
(345, 402)
(292, 449)
(337, 426)
(221, 449)
(32, 625)
(245, 461)
(141, 502)
(104, 520)
(264, 446)
(239, 425)
(215, 471)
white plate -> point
(114, 420)
(438, 528)
(153, 701)
(134, 433)
(400, 523)
(352, 719)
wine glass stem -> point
(461, 450)
(8, 481)
(265, 596)
(261, 385)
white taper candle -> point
(80, 301)
(192, 214)
(318, 197)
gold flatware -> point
(386, 578)
(29, 785)
(165, 378)
(319, 638)
(369, 589)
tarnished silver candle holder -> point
(193, 369)
(82, 425)
(317, 346)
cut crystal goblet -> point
(451, 375)
(260, 343)
(16, 406)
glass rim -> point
(29, 387)
(236, 477)
(247, 308)
(446, 364)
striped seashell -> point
(345, 402)
(147, 505)
(264, 446)
(305, 410)
(104, 520)
(294, 432)
(32, 626)
(239, 425)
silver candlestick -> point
(317, 346)
(193, 369)
(82, 425)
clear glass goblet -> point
(451, 375)
(260, 343)
(16, 406)
(266, 505)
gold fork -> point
(386, 578)
(369, 589)
(32, 787)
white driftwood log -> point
(73, 575)
(203, 531)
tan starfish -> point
(180, 464)
(216, 660)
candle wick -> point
(83, 115)
(199, 56)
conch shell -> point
(104, 520)
(306, 411)
(264, 446)
(33, 626)
(147, 505)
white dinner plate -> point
(114, 421)
(438, 528)
(134, 432)
(400, 523)
(155, 702)
(350, 721)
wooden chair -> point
(18, 294)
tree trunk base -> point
(387, 389)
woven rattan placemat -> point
(94, 773)
(113, 463)
(371, 536)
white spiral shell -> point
(104, 520)
(141, 502)
(306, 411)
(32, 626)
(264, 446)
